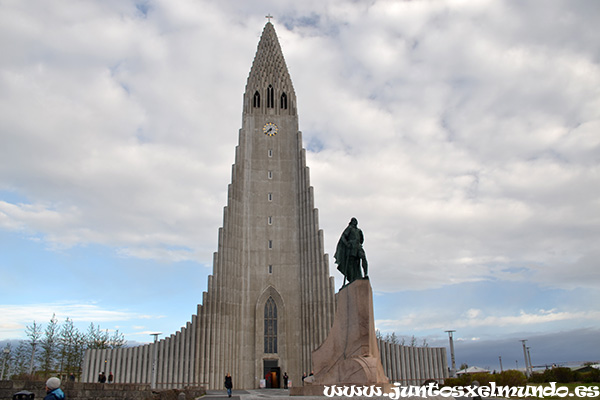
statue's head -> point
(354, 221)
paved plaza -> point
(256, 394)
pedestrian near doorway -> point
(228, 384)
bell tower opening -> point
(270, 97)
(256, 100)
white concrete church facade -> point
(270, 300)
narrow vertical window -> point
(270, 269)
(270, 153)
(270, 244)
(283, 101)
(270, 97)
(270, 326)
(270, 220)
(270, 197)
(270, 174)
(256, 99)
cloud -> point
(15, 318)
(475, 318)
(473, 165)
(463, 136)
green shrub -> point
(483, 378)
(588, 377)
(562, 375)
(511, 377)
(549, 375)
(537, 377)
(463, 380)
(505, 378)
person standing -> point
(285, 380)
(111, 377)
(228, 384)
(53, 390)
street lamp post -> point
(529, 360)
(154, 355)
(525, 355)
(452, 360)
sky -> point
(463, 135)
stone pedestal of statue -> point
(349, 355)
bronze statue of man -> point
(349, 253)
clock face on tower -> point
(270, 129)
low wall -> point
(99, 391)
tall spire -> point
(269, 84)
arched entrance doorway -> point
(272, 374)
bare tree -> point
(117, 340)
(72, 348)
(7, 357)
(413, 341)
(49, 347)
(96, 338)
(61, 348)
(401, 340)
(21, 358)
(34, 333)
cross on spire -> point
(268, 17)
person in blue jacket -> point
(53, 390)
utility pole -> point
(154, 355)
(500, 358)
(525, 355)
(452, 359)
(529, 359)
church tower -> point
(270, 299)
(271, 292)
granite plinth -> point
(350, 355)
